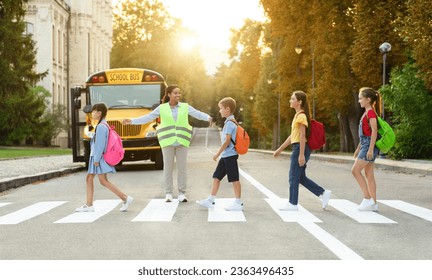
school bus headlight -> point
(151, 134)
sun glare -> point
(188, 44)
(211, 21)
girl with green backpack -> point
(367, 151)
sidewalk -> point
(420, 167)
(22, 171)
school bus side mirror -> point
(76, 91)
(78, 104)
(87, 108)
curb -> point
(9, 183)
(385, 164)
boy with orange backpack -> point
(227, 164)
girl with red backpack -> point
(300, 155)
(97, 164)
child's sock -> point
(211, 198)
(238, 201)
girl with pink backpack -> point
(97, 164)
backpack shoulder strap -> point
(234, 121)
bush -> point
(410, 103)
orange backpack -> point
(242, 140)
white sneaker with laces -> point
(234, 207)
(289, 207)
(126, 204)
(182, 198)
(325, 198)
(205, 203)
(168, 197)
(85, 208)
(368, 205)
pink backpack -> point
(114, 150)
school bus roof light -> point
(98, 79)
(150, 78)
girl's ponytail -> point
(377, 104)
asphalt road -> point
(37, 221)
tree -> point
(20, 108)
(417, 31)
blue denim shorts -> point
(364, 148)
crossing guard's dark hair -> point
(168, 90)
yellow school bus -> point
(128, 93)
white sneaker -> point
(182, 198)
(168, 197)
(325, 198)
(234, 207)
(85, 208)
(205, 203)
(126, 204)
(368, 205)
(289, 207)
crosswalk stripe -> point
(4, 204)
(409, 208)
(102, 207)
(29, 212)
(302, 215)
(351, 210)
(332, 243)
(265, 191)
(328, 240)
(157, 211)
(219, 214)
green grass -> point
(16, 152)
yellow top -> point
(299, 118)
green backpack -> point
(386, 136)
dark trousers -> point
(297, 175)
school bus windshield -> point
(126, 96)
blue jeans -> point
(297, 175)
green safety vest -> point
(170, 130)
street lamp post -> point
(384, 49)
(270, 81)
(298, 49)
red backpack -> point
(242, 140)
(114, 150)
(316, 139)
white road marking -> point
(351, 210)
(102, 207)
(302, 215)
(409, 208)
(328, 240)
(157, 211)
(29, 212)
(4, 204)
(259, 186)
(219, 214)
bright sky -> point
(212, 20)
